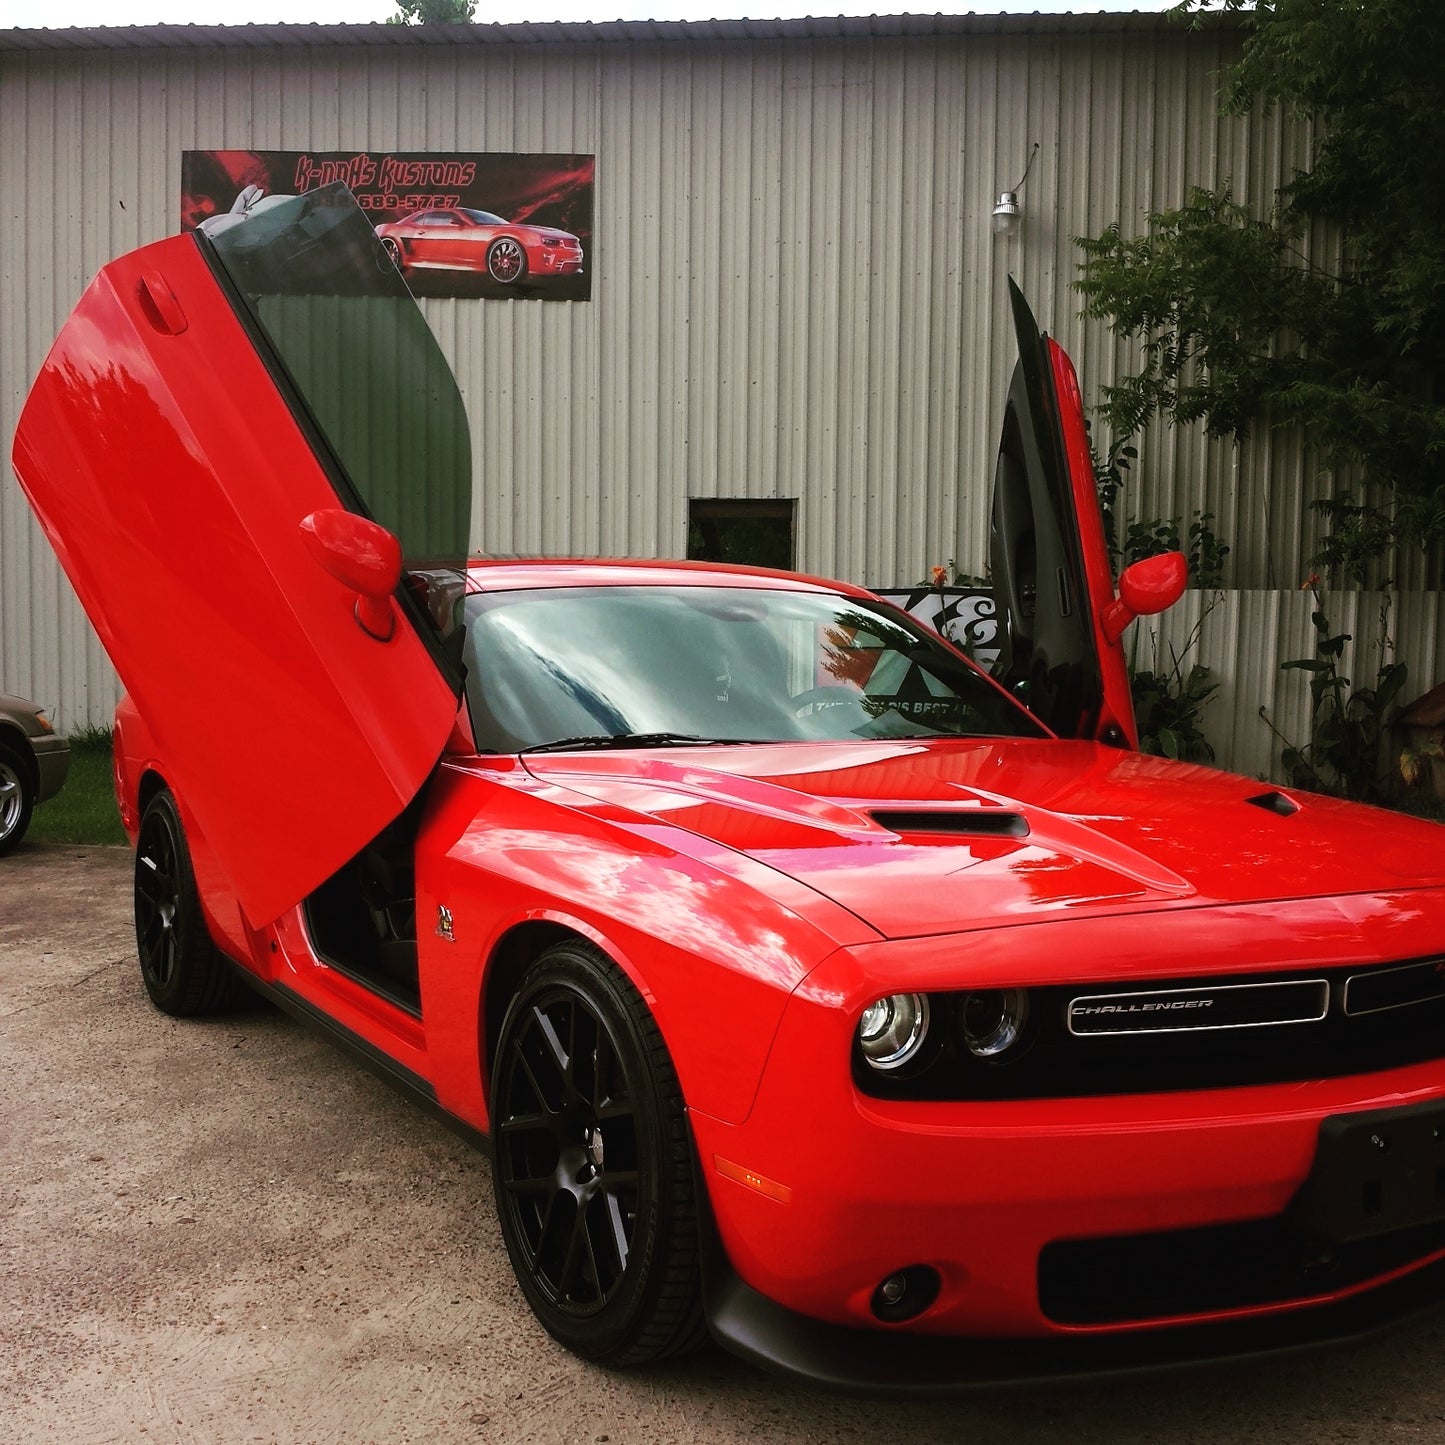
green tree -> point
(433, 12)
(1241, 324)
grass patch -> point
(84, 810)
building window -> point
(757, 534)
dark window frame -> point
(704, 514)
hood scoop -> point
(1275, 802)
(958, 822)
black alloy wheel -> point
(506, 260)
(593, 1164)
(181, 968)
(17, 798)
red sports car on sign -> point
(458, 238)
(806, 986)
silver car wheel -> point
(10, 798)
(506, 261)
(16, 800)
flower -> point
(940, 576)
(1310, 582)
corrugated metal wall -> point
(797, 289)
(1245, 637)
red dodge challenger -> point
(460, 239)
(806, 986)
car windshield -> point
(483, 218)
(657, 665)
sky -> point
(31, 13)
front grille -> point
(1212, 1009)
(1196, 1271)
(1095, 1039)
(1390, 988)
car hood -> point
(921, 838)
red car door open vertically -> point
(207, 433)
(1060, 620)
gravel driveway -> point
(226, 1231)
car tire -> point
(183, 971)
(506, 261)
(17, 798)
(394, 251)
(592, 1165)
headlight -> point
(892, 1029)
(993, 1020)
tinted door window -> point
(344, 331)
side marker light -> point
(751, 1179)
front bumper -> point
(52, 760)
(822, 1193)
(875, 1362)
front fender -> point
(690, 922)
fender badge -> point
(444, 923)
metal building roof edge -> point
(565, 32)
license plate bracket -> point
(1374, 1173)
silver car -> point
(33, 765)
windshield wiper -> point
(633, 740)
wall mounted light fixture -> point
(1008, 214)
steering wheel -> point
(823, 699)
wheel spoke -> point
(525, 1124)
(603, 1060)
(534, 1249)
(520, 1058)
(592, 1255)
(152, 889)
(572, 1260)
(572, 1042)
(560, 1057)
(542, 1184)
(617, 1231)
(167, 958)
(155, 929)
(613, 1097)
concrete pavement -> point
(223, 1230)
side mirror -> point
(1146, 587)
(363, 557)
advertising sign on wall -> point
(479, 223)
